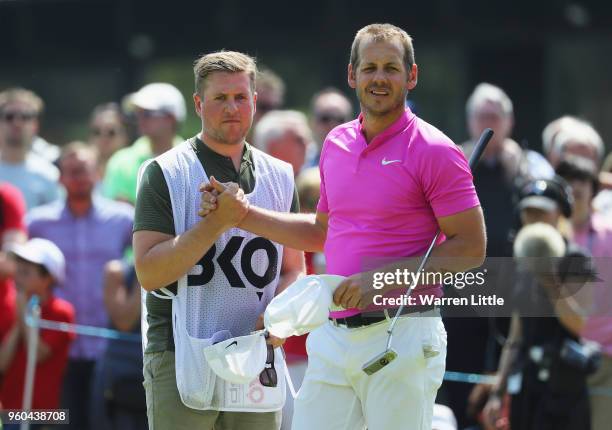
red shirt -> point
(12, 212)
(50, 372)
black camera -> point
(584, 357)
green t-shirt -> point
(122, 169)
(154, 213)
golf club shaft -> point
(474, 158)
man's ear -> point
(352, 79)
(197, 101)
(412, 77)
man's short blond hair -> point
(223, 61)
(383, 32)
(21, 95)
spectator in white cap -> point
(159, 108)
(40, 266)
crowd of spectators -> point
(66, 214)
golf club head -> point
(380, 361)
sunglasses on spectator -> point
(327, 118)
(109, 133)
(268, 376)
(23, 116)
(146, 113)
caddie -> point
(205, 279)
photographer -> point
(547, 352)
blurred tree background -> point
(551, 56)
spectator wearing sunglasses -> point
(329, 108)
(107, 133)
(160, 109)
(36, 177)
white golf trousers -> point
(337, 395)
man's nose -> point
(379, 76)
(231, 105)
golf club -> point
(387, 356)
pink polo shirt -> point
(383, 198)
(597, 238)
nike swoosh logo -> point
(385, 162)
(233, 343)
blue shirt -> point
(88, 243)
(36, 178)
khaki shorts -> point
(166, 411)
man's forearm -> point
(8, 347)
(43, 351)
(298, 231)
(167, 261)
(124, 308)
(509, 355)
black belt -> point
(365, 319)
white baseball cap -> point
(238, 359)
(303, 306)
(162, 97)
(443, 418)
(45, 253)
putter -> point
(388, 355)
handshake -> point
(225, 202)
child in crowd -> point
(40, 267)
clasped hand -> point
(226, 201)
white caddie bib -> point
(228, 288)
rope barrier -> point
(86, 330)
(468, 378)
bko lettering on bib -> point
(209, 262)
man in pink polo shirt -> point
(389, 180)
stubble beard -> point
(220, 137)
(371, 109)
